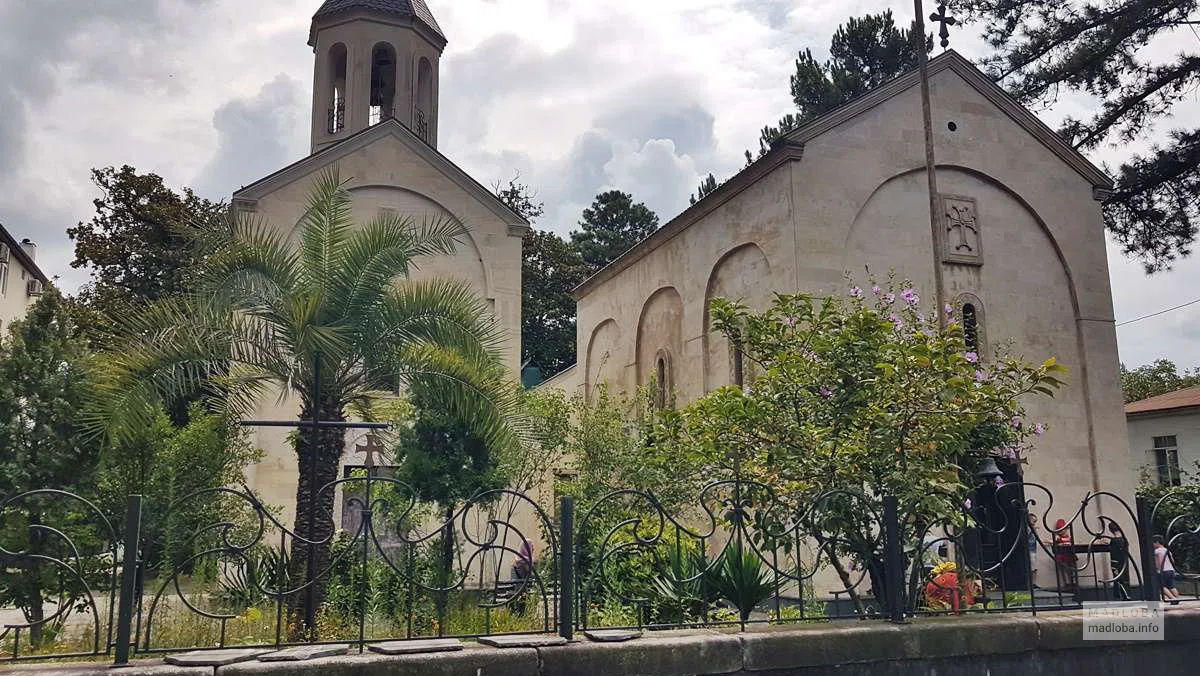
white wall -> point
(1184, 426)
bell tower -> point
(374, 60)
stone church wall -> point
(384, 175)
(858, 199)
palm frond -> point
(440, 311)
(172, 349)
(254, 266)
(383, 251)
(324, 229)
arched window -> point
(970, 321)
(383, 83)
(337, 95)
(739, 367)
(423, 111)
(662, 380)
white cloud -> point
(642, 95)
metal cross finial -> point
(947, 21)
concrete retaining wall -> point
(1051, 643)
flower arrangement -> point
(945, 591)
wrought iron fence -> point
(500, 563)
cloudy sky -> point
(578, 96)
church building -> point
(375, 118)
(1021, 254)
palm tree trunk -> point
(318, 466)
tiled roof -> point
(414, 8)
(1187, 398)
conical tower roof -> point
(414, 8)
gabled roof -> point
(1171, 401)
(16, 251)
(790, 147)
(357, 141)
(953, 61)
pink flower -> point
(889, 298)
(790, 321)
(896, 320)
(949, 310)
(856, 292)
(876, 290)
(826, 392)
(1039, 429)
(1016, 422)
(971, 357)
(910, 296)
(980, 376)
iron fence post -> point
(129, 575)
(566, 582)
(893, 558)
(1145, 531)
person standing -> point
(1034, 542)
(1118, 560)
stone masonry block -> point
(822, 645)
(672, 654)
(473, 660)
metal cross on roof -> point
(941, 17)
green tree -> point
(1109, 49)
(550, 270)
(618, 442)
(174, 468)
(706, 186)
(611, 226)
(864, 53)
(520, 198)
(861, 395)
(44, 382)
(331, 321)
(1151, 380)
(144, 243)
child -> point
(1166, 571)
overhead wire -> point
(1160, 312)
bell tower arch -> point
(374, 60)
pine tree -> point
(1115, 51)
(611, 226)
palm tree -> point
(333, 320)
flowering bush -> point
(867, 393)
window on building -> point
(337, 103)
(4, 269)
(662, 380)
(970, 320)
(383, 83)
(1166, 460)
(739, 376)
(424, 106)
